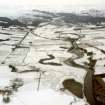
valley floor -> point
(43, 58)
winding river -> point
(88, 86)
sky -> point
(13, 6)
(52, 2)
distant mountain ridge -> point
(6, 22)
(93, 12)
(35, 17)
(91, 16)
(78, 18)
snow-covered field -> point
(45, 49)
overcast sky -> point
(52, 2)
(11, 6)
